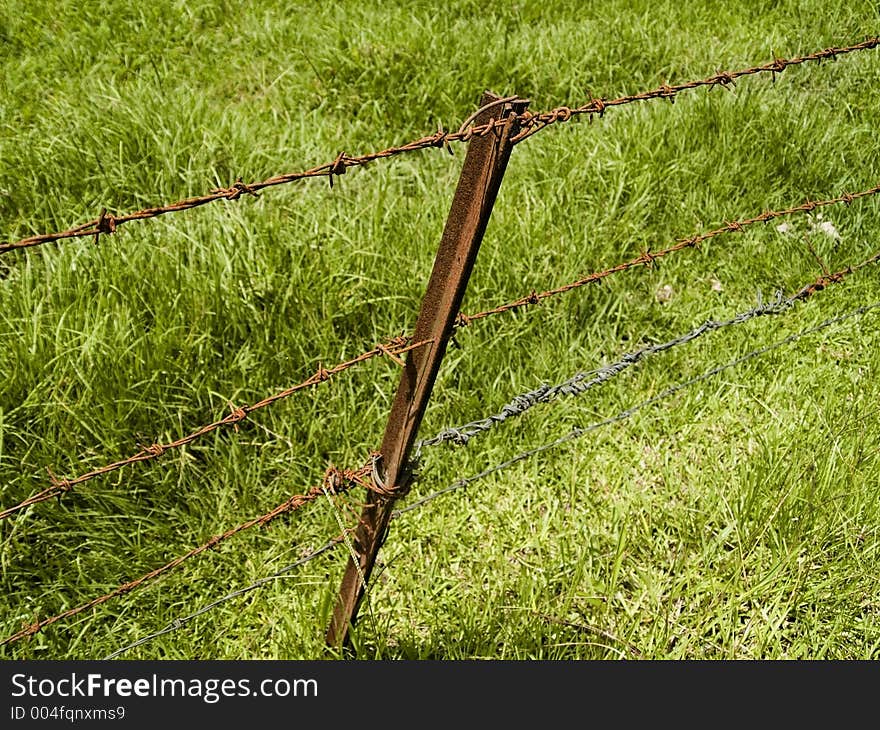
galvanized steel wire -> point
(394, 347)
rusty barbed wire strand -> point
(400, 345)
(647, 257)
(61, 485)
(108, 224)
(180, 622)
(336, 481)
(531, 123)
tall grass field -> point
(733, 518)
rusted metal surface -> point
(469, 214)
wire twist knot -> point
(398, 343)
(321, 374)
(62, 484)
(724, 78)
(390, 354)
(236, 416)
(441, 140)
(337, 167)
(561, 114)
(377, 484)
(333, 480)
(106, 224)
(237, 189)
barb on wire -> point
(400, 345)
(534, 123)
(530, 123)
(337, 481)
(179, 623)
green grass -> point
(739, 519)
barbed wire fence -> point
(394, 347)
(338, 481)
(576, 433)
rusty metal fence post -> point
(478, 185)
